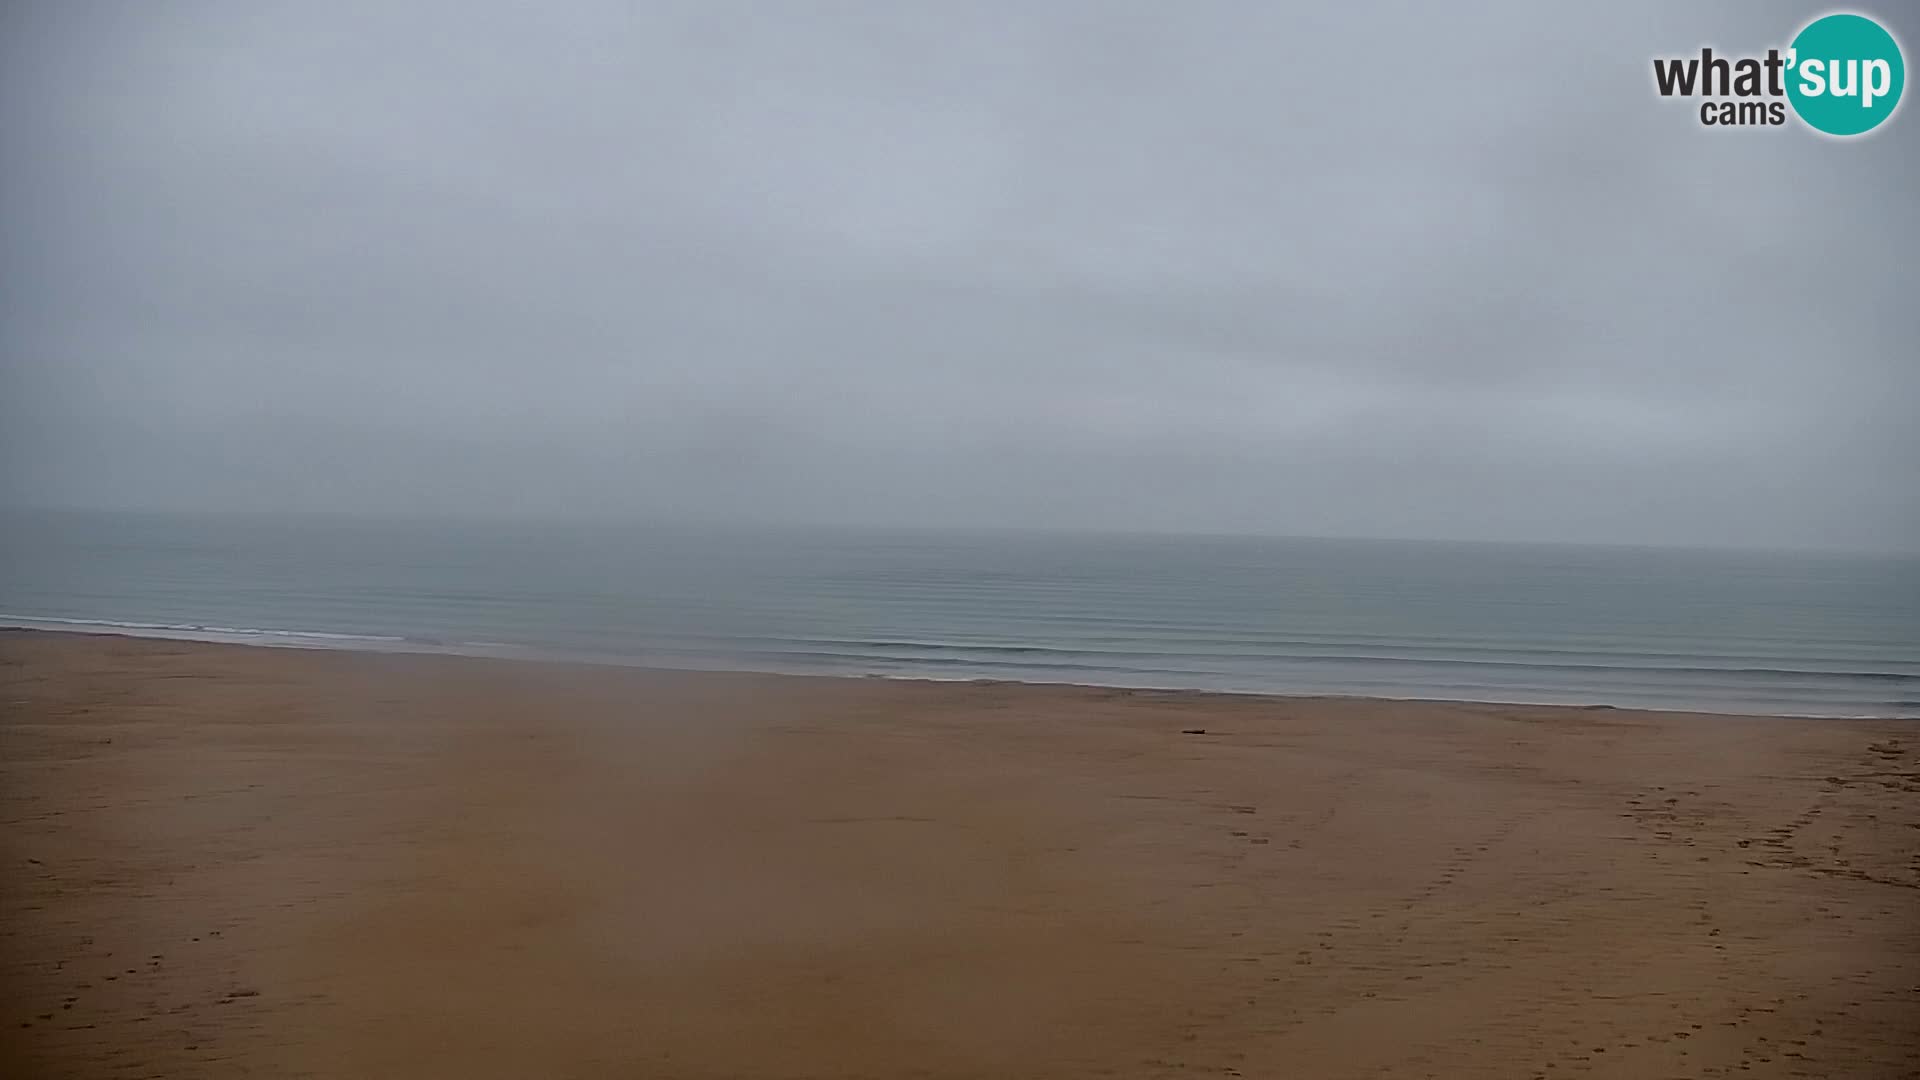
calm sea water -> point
(1812, 634)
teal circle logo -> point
(1845, 74)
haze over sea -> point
(1796, 633)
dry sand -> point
(224, 861)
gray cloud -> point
(1408, 271)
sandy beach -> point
(225, 861)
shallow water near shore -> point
(1790, 633)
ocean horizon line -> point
(685, 525)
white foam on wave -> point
(190, 631)
(1217, 682)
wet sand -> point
(223, 861)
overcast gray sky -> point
(1399, 270)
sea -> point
(1785, 633)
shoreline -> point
(318, 641)
(230, 861)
